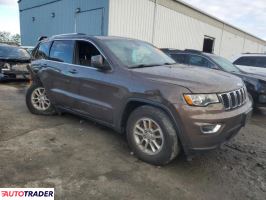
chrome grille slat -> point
(233, 99)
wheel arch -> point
(134, 103)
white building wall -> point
(231, 44)
(167, 28)
(176, 30)
(132, 19)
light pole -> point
(77, 11)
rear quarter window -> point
(246, 61)
(261, 62)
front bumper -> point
(193, 118)
(7, 75)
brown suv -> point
(134, 88)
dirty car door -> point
(57, 73)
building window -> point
(208, 44)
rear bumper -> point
(194, 118)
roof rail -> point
(193, 51)
(255, 53)
(70, 34)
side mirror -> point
(98, 62)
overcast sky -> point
(249, 15)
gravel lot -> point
(83, 160)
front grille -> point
(234, 99)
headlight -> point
(201, 99)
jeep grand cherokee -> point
(134, 88)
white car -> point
(251, 63)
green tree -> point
(6, 37)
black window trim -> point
(89, 41)
(36, 49)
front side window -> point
(85, 52)
(198, 61)
(42, 51)
(134, 53)
(62, 51)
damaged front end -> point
(14, 69)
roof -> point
(211, 16)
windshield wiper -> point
(143, 66)
(169, 63)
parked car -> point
(134, 88)
(251, 63)
(255, 83)
(13, 62)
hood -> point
(15, 59)
(196, 79)
(246, 75)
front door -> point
(97, 94)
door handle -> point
(72, 71)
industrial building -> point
(165, 23)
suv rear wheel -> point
(152, 136)
(37, 101)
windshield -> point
(11, 52)
(134, 53)
(225, 64)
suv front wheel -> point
(152, 136)
(37, 101)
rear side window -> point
(42, 51)
(62, 51)
(261, 62)
(198, 61)
(179, 58)
(253, 61)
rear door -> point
(57, 73)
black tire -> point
(49, 111)
(170, 148)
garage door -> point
(90, 22)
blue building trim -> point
(51, 17)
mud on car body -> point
(136, 89)
(13, 62)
